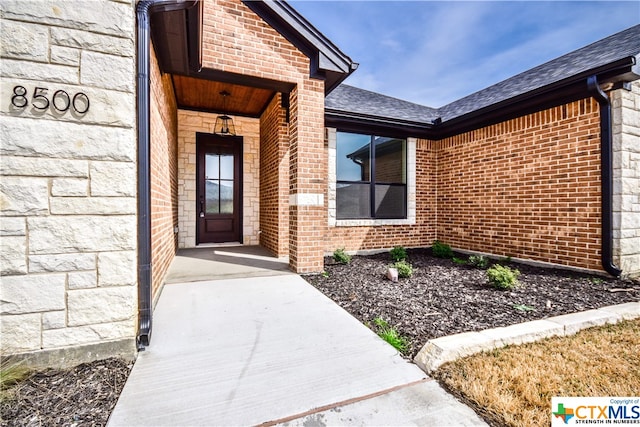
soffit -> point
(204, 95)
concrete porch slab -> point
(255, 350)
(211, 262)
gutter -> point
(568, 89)
(606, 169)
(144, 9)
(453, 123)
(357, 122)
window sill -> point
(373, 222)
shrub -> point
(339, 255)
(441, 250)
(502, 277)
(404, 269)
(478, 261)
(398, 253)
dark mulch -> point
(81, 396)
(443, 298)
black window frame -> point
(372, 183)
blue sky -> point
(433, 53)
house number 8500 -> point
(60, 100)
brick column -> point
(307, 178)
(274, 179)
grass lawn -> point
(514, 385)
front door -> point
(219, 189)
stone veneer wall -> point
(190, 122)
(163, 119)
(626, 165)
(68, 187)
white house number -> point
(61, 101)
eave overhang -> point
(327, 61)
(563, 91)
(381, 126)
(177, 37)
(612, 75)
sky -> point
(435, 52)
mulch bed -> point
(80, 396)
(441, 298)
(444, 298)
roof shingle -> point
(349, 99)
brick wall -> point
(527, 188)
(68, 184)
(164, 173)
(274, 179)
(235, 39)
(190, 122)
(626, 165)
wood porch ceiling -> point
(204, 95)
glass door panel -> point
(219, 170)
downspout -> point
(606, 170)
(143, 12)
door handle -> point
(201, 209)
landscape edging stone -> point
(446, 349)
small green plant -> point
(501, 277)
(596, 280)
(325, 274)
(398, 253)
(339, 255)
(523, 307)
(479, 261)
(459, 261)
(441, 250)
(391, 335)
(405, 269)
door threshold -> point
(218, 245)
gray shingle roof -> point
(602, 52)
(351, 99)
(619, 46)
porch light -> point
(224, 124)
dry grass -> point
(11, 373)
(513, 386)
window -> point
(371, 177)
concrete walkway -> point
(273, 350)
